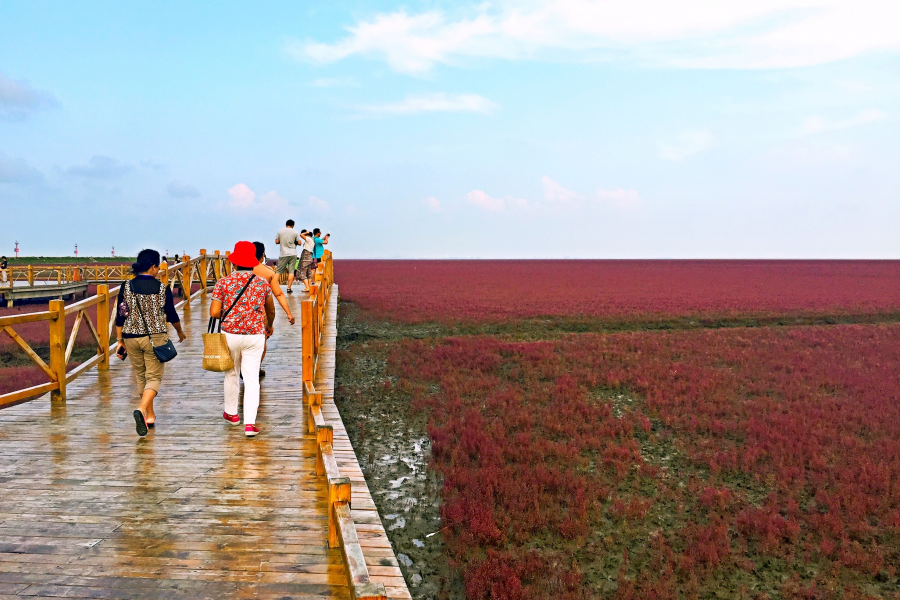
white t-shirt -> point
(309, 244)
(287, 240)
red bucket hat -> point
(244, 255)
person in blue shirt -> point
(319, 242)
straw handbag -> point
(216, 356)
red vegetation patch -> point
(786, 446)
(492, 290)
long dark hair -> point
(146, 260)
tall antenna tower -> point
(17, 249)
(114, 251)
(76, 250)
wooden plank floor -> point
(194, 510)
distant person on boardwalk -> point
(4, 265)
(145, 307)
(307, 262)
(287, 258)
(266, 272)
(249, 315)
(319, 248)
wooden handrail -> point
(341, 529)
(62, 347)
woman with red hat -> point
(246, 321)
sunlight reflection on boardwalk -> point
(194, 510)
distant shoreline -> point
(69, 260)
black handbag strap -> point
(221, 319)
(137, 303)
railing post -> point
(186, 279)
(30, 275)
(58, 276)
(314, 321)
(227, 263)
(202, 272)
(306, 328)
(58, 348)
(103, 325)
(164, 273)
(217, 266)
(105, 273)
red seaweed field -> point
(745, 451)
(751, 462)
(498, 290)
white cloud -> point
(687, 33)
(686, 144)
(180, 189)
(18, 98)
(619, 198)
(819, 124)
(433, 204)
(482, 200)
(241, 196)
(556, 196)
(432, 103)
(245, 200)
(556, 193)
(318, 204)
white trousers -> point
(246, 352)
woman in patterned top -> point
(249, 314)
(136, 336)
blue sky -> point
(567, 128)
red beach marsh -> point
(735, 461)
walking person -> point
(247, 319)
(287, 258)
(307, 266)
(266, 272)
(145, 308)
(4, 265)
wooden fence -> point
(202, 270)
(341, 529)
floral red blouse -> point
(249, 316)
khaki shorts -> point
(147, 369)
(286, 264)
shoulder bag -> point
(165, 352)
(216, 355)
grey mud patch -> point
(393, 449)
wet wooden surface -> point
(193, 510)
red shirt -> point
(248, 317)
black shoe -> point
(262, 372)
(139, 423)
(290, 291)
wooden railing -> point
(89, 273)
(341, 529)
(202, 270)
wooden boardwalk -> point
(194, 510)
